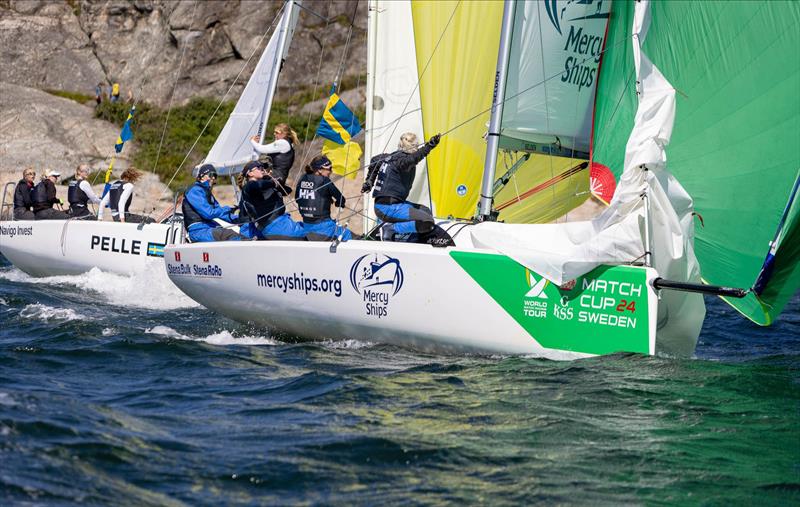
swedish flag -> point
(127, 133)
(338, 123)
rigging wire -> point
(222, 100)
(469, 119)
(419, 79)
(307, 150)
(172, 94)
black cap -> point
(321, 162)
(250, 166)
(206, 169)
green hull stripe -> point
(605, 312)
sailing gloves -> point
(433, 141)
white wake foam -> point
(347, 344)
(224, 337)
(48, 313)
(150, 289)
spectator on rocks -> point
(98, 93)
(115, 92)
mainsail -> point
(393, 104)
(232, 148)
(735, 143)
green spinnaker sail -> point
(735, 145)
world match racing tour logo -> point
(584, 40)
(377, 278)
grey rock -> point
(43, 131)
(150, 45)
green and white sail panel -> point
(735, 142)
(552, 76)
(232, 149)
(393, 103)
(563, 252)
(553, 69)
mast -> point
(372, 37)
(493, 138)
(279, 57)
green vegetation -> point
(80, 98)
(185, 125)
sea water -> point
(122, 391)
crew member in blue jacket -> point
(262, 199)
(200, 208)
(392, 176)
(314, 195)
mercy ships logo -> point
(377, 278)
(556, 15)
(581, 26)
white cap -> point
(52, 172)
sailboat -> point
(75, 246)
(560, 84)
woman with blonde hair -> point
(281, 151)
(80, 193)
(392, 176)
(119, 198)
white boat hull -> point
(71, 247)
(453, 299)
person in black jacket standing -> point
(23, 205)
(392, 176)
(314, 195)
(44, 197)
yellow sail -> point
(456, 85)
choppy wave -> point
(347, 344)
(223, 337)
(48, 313)
(150, 290)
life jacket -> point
(282, 163)
(114, 193)
(39, 193)
(312, 199)
(22, 195)
(190, 215)
(115, 89)
(262, 202)
(76, 197)
(390, 181)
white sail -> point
(232, 149)
(552, 75)
(393, 103)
